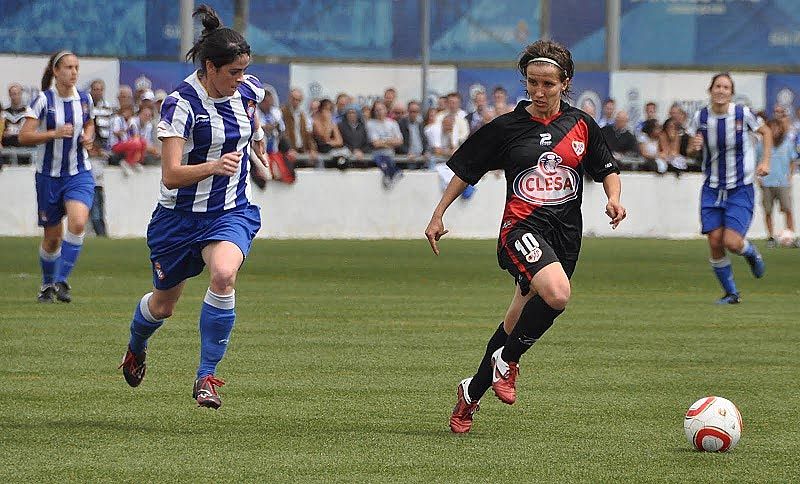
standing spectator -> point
(271, 119)
(500, 100)
(781, 114)
(354, 132)
(460, 127)
(366, 113)
(142, 85)
(412, 129)
(482, 113)
(777, 185)
(398, 111)
(98, 154)
(441, 104)
(607, 113)
(125, 98)
(299, 139)
(389, 98)
(384, 136)
(430, 125)
(619, 137)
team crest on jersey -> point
(578, 147)
(738, 125)
(85, 107)
(547, 183)
(159, 273)
(251, 109)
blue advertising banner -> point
(585, 34)
(710, 32)
(589, 89)
(167, 75)
(783, 89)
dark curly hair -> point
(217, 44)
(551, 50)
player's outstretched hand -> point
(616, 212)
(228, 164)
(434, 232)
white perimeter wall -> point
(332, 204)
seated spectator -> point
(412, 129)
(366, 113)
(649, 147)
(441, 104)
(354, 132)
(271, 119)
(342, 101)
(482, 113)
(103, 115)
(126, 142)
(384, 136)
(430, 125)
(500, 99)
(13, 116)
(607, 113)
(297, 136)
(621, 141)
(326, 133)
(142, 127)
(671, 144)
(443, 145)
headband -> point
(59, 56)
(548, 60)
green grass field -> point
(346, 354)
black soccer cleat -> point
(729, 299)
(63, 292)
(134, 367)
(47, 294)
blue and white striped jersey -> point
(62, 156)
(211, 128)
(729, 154)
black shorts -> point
(525, 253)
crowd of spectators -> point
(388, 132)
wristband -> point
(259, 134)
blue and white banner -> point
(710, 32)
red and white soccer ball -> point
(786, 238)
(713, 424)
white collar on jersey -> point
(73, 97)
(194, 81)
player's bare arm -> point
(614, 209)
(435, 229)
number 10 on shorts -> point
(528, 246)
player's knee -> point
(223, 279)
(51, 244)
(161, 309)
(557, 297)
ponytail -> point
(217, 44)
(47, 78)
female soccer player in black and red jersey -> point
(544, 146)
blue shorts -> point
(53, 192)
(176, 240)
(731, 209)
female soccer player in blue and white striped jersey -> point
(204, 215)
(720, 130)
(60, 121)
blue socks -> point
(216, 323)
(724, 272)
(748, 251)
(50, 264)
(70, 249)
(143, 325)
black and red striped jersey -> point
(544, 161)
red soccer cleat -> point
(461, 419)
(504, 378)
(205, 391)
(133, 367)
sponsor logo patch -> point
(547, 183)
(546, 139)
